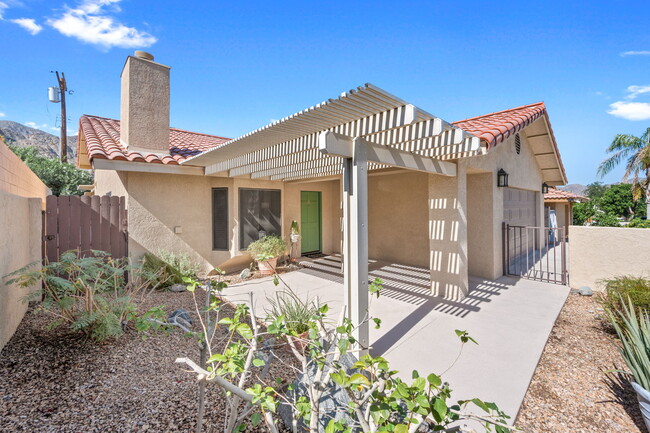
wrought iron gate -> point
(535, 253)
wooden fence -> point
(85, 223)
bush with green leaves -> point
(633, 330)
(62, 178)
(379, 400)
(638, 223)
(602, 219)
(625, 287)
(93, 295)
(173, 268)
(267, 248)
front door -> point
(310, 221)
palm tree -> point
(636, 150)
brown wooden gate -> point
(85, 223)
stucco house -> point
(366, 174)
(561, 202)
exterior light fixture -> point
(544, 188)
(502, 178)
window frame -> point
(241, 208)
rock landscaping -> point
(51, 381)
(572, 389)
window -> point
(259, 214)
(220, 219)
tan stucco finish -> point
(597, 253)
(22, 197)
(144, 109)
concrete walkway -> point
(511, 320)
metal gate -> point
(85, 223)
(535, 253)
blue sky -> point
(238, 65)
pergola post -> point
(358, 244)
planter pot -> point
(643, 396)
(295, 238)
(300, 342)
(267, 267)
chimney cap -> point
(143, 55)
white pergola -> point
(362, 130)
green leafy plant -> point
(61, 177)
(175, 267)
(638, 223)
(636, 290)
(295, 312)
(633, 330)
(602, 219)
(90, 295)
(295, 229)
(269, 247)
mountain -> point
(574, 188)
(19, 135)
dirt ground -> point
(51, 381)
(573, 389)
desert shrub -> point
(633, 330)
(285, 304)
(639, 223)
(267, 248)
(93, 295)
(173, 267)
(636, 289)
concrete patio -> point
(511, 320)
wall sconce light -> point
(544, 188)
(502, 178)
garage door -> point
(520, 207)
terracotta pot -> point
(300, 341)
(267, 267)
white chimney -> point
(144, 111)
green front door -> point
(310, 222)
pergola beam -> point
(331, 143)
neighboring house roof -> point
(496, 127)
(557, 195)
(102, 139)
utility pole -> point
(63, 88)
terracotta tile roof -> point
(102, 137)
(494, 128)
(555, 194)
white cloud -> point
(635, 53)
(635, 91)
(55, 128)
(3, 6)
(28, 24)
(36, 125)
(90, 22)
(630, 110)
(2, 114)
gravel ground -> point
(572, 390)
(50, 381)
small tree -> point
(62, 178)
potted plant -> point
(266, 251)
(295, 232)
(297, 314)
(633, 329)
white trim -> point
(146, 167)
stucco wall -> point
(17, 179)
(398, 218)
(597, 253)
(524, 173)
(22, 197)
(481, 237)
(160, 203)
